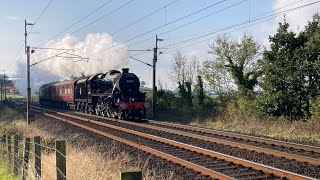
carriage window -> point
(60, 91)
(65, 91)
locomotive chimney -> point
(125, 70)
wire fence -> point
(24, 157)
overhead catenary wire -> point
(92, 22)
(39, 17)
(232, 26)
(174, 21)
(134, 22)
(203, 40)
(261, 14)
(159, 28)
(77, 22)
(186, 24)
(152, 30)
(246, 22)
(175, 28)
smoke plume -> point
(63, 67)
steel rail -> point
(246, 163)
(221, 141)
(195, 167)
(242, 136)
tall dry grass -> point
(82, 162)
(278, 128)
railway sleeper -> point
(223, 168)
(256, 177)
(252, 172)
(236, 171)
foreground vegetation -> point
(82, 162)
(4, 173)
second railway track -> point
(312, 155)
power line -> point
(39, 17)
(192, 21)
(174, 21)
(261, 14)
(125, 27)
(232, 26)
(246, 22)
(92, 22)
(203, 40)
(179, 19)
(77, 22)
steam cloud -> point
(61, 68)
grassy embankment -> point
(5, 174)
(279, 128)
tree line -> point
(283, 80)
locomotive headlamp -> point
(123, 106)
(146, 105)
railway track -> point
(207, 162)
(206, 135)
(310, 154)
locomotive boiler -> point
(113, 94)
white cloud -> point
(299, 18)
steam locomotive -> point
(113, 94)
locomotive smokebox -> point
(125, 70)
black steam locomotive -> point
(112, 94)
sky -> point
(108, 32)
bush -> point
(315, 109)
(241, 108)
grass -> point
(5, 174)
(279, 128)
(14, 96)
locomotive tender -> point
(112, 94)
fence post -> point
(15, 154)
(25, 158)
(9, 150)
(37, 156)
(131, 174)
(61, 160)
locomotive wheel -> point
(85, 107)
(97, 112)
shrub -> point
(315, 109)
(241, 108)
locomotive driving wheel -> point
(97, 112)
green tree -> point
(239, 60)
(200, 91)
(165, 99)
(291, 71)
